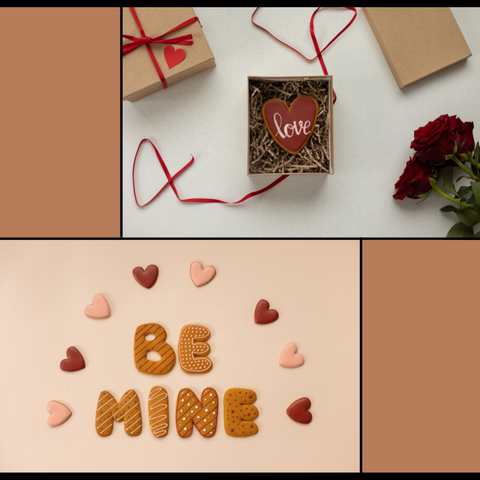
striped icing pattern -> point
(158, 411)
(142, 346)
(127, 411)
(199, 412)
(192, 349)
(238, 412)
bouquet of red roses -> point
(443, 147)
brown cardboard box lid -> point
(417, 41)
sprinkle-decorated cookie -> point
(201, 275)
(192, 349)
(59, 413)
(201, 412)
(239, 413)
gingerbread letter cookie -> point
(142, 346)
(158, 411)
(127, 410)
(192, 349)
(203, 413)
(238, 412)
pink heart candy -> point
(59, 413)
(289, 357)
(99, 309)
(200, 275)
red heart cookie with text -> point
(146, 278)
(298, 410)
(291, 127)
(99, 309)
(173, 57)
(73, 362)
(264, 314)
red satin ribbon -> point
(145, 40)
(273, 184)
(314, 39)
(190, 200)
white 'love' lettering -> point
(290, 129)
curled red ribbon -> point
(145, 40)
(170, 178)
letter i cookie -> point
(192, 349)
(238, 412)
(142, 346)
(202, 412)
(158, 411)
(127, 411)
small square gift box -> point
(161, 46)
(290, 128)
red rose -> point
(438, 138)
(415, 180)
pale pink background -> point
(45, 286)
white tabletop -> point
(374, 121)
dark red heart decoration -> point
(146, 278)
(291, 127)
(263, 313)
(73, 362)
(173, 57)
(298, 410)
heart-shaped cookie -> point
(146, 278)
(264, 314)
(201, 275)
(173, 57)
(99, 309)
(73, 362)
(289, 357)
(298, 410)
(59, 413)
(291, 127)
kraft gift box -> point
(265, 157)
(417, 41)
(140, 77)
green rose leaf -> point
(449, 208)
(476, 192)
(468, 217)
(448, 180)
(460, 231)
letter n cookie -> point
(238, 412)
(142, 346)
(201, 412)
(192, 349)
(127, 411)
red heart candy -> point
(173, 57)
(292, 126)
(146, 278)
(298, 410)
(73, 362)
(263, 313)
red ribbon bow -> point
(145, 40)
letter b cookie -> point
(142, 346)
